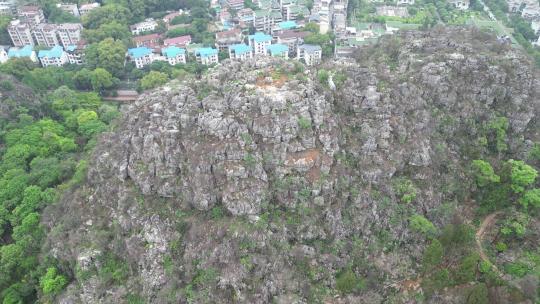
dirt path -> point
(485, 226)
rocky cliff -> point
(263, 181)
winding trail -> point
(485, 226)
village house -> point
(7, 8)
(292, 12)
(86, 8)
(150, 40)
(278, 50)
(259, 41)
(284, 26)
(147, 25)
(206, 56)
(20, 33)
(174, 55)
(226, 38)
(53, 57)
(169, 17)
(181, 41)
(141, 56)
(310, 53)
(405, 2)
(24, 52)
(240, 52)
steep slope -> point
(261, 182)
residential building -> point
(20, 33)
(292, 39)
(264, 20)
(207, 56)
(169, 17)
(45, 34)
(141, 56)
(278, 50)
(69, 8)
(293, 12)
(86, 8)
(396, 11)
(147, 25)
(75, 53)
(7, 8)
(69, 33)
(150, 40)
(460, 4)
(53, 57)
(181, 41)
(235, 4)
(227, 38)
(31, 14)
(3, 55)
(240, 52)
(405, 2)
(259, 41)
(24, 52)
(339, 23)
(245, 17)
(174, 55)
(310, 53)
(284, 26)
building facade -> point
(53, 57)
(174, 55)
(207, 56)
(259, 42)
(45, 34)
(141, 56)
(240, 52)
(147, 25)
(69, 33)
(31, 14)
(20, 33)
(310, 53)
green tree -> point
(83, 79)
(422, 225)
(530, 198)
(484, 173)
(108, 54)
(111, 29)
(104, 14)
(52, 282)
(478, 294)
(521, 175)
(101, 80)
(153, 79)
(433, 255)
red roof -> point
(228, 34)
(182, 40)
(169, 17)
(146, 37)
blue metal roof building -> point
(139, 52)
(241, 48)
(287, 25)
(172, 51)
(278, 49)
(260, 37)
(206, 52)
(55, 52)
(26, 51)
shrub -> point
(522, 175)
(6, 85)
(323, 76)
(466, 271)
(433, 255)
(484, 173)
(501, 247)
(304, 123)
(405, 190)
(517, 269)
(478, 294)
(422, 225)
(52, 283)
(347, 281)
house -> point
(23, 52)
(169, 17)
(75, 53)
(174, 55)
(264, 20)
(20, 33)
(141, 56)
(245, 17)
(53, 57)
(460, 4)
(405, 2)
(395, 11)
(278, 50)
(147, 25)
(240, 52)
(150, 40)
(310, 53)
(69, 8)
(31, 14)
(207, 56)
(181, 41)
(69, 33)
(3, 55)
(259, 41)
(292, 39)
(86, 8)
(235, 4)
(227, 38)
(45, 34)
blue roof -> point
(260, 37)
(287, 25)
(172, 51)
(241, 48)
(139, 52)
(26, 51)
(206, 52)
(55, 52)
(71, 48)
(277, 49)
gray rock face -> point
(257, 183)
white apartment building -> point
(45, 34)
(20, 33)
(53, 57)
(86, 8)
(69, 33)
(174, 55)
(141, 56)
(259, 42)
(310, 53)
(147, 25)
(69, 8)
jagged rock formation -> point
(257, 183)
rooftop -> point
(172, 51)
(206, 52)
(260, 37)
(287, 25)
(182, 40)
(241, 48)
(310, 48)
(26, 51)
(55, 52)
(277, 49)
(146, 37)
(139, 52)
(292, 34)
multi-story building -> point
(240, 52)
(20, 33)
(31, 14)
(141, 56)
(292, 12)
(284, 26)
(310, 53)
(45, 34)
(53, 57)
(245, 17)
(235, 4)
(405, 2)
(264, 20)
(69, 33)
(75, 53)
(226, 38)
(174, 55)
(460, 4)
(7, 8)
(259, 41)
(86, 8)
(69, 8)
(181, 41)
(147, 25)
(207, 56)
(24, 52)
(278, 50)
(292, 39)
(150, 40)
